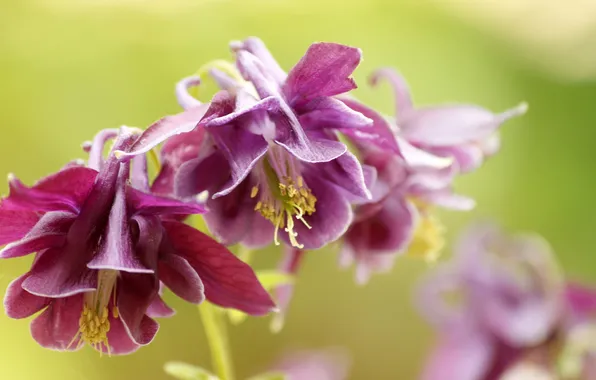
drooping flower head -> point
(270, 157)
(496, 301)
(103, 245)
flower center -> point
(94, 323)
(428, 239)
(284, 198)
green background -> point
(69, 68)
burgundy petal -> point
(159, 309)
(165, 128)
(324, 70)
(330, 221)
(60, 272)
(64, 191)
(142, 203)
(49, 232)
(116, 248)
(180, 277)
(136, 292)
(58, 325)
(228, 281)
(18, 303)
(119, 339)
(15, 224)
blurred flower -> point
(270, 148)
(505, 306)
(104, 244)
(311, 365)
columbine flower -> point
(468, 133)
(271, 158)
(310, 365)
(102, 250)
(506, 301)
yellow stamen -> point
(254, 192)
(428, 240)
(94, 323)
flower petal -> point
(581, 300)
(331, 113)
(177, 274)
(66, 190)
(453, 125)
(142, 203)
(119, 339)
(345, 172)
(380, 133)
(257, 48)
(116, 251)
(49, 232)
(403, 99)
(159, 309)
(18, 303)
(186, 100)
(331, 219)
(58, 325)
(228, 281)
(136, 292)
(324, 70)
(15, 224)
(165, 128)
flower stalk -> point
(217, 337)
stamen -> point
(428, 239)
(254, 192)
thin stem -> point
(217, 336)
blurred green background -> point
(71, 67)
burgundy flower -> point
(508, 302)
(270, 156)
(104, 244)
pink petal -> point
(57, 326)
(331, 113)
(256, 47)
(324, 70)
(14, 224)
(186, 100)
(119, 339)
(49, 232)
(143, 203)
(18, 303)
(228, 281)
(403, 99)
(159, 309)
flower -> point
(104, 245)
(270, 157)
(468, 133)
(497, 302)
(319, 365)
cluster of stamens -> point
(292, 199)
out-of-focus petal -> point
(403, 99)
(19, 303)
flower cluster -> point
(295, 159)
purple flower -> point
(468, 133)
(104, 245)
(311, 365)
(496, 301)
(271, 158)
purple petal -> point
(581, 300)
(119, 339)
(330, 221)
(159, 309)
(49, 232)
(185, 99)
(345, 172)
(257, 48)
(116, 251)
(315, 365)
(270, 103)
(259, 231)
(453, 125)
(228, 281)
(467, 156)
(177, 274)
(165, 128)
(60, 273)
(150, 236)
(97, 147)
(139, 175)
(15, 224)
(66, 190)
(242, 150)
(57, 326)
(380, 133)
(403, 99)
(176, 151)
(418, 158)
(223, 80)
(142, 203)
(18, 303)
(324, 70)
(331, 113)
(254, 71)
(459, 357)
(135, 293)
(447, 199)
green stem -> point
(217, 336)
